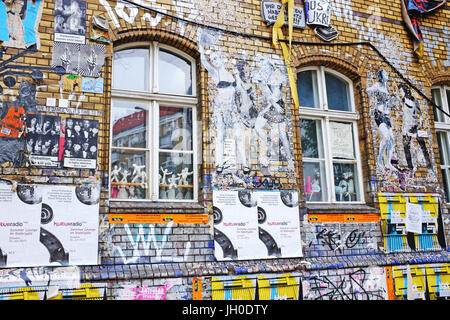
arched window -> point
(153, 127)
(329, 137)
(441, 96)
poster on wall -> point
(279, 223)
(42, 139)
(81, 141)
(69, 224)
(70, 21)
(19, 22)
(45, 225)
(79, 59)
(236, 226)
(20, 219)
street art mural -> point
(249, 106)
(19, 22)
(402, 136)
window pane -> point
(308, 89)
(131, 69)
(338, 93)
(175, 74)
(443, 148)
(447, 93)
(129, 174)
(176, 176)
(311, 136)
(129, 121)
(445, 175)
(346, 182)
(437, 99)
(314, 181)
(175, 128)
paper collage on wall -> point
(19, 22)
(249, 108)
(402, 136)
(48, 225)
(256, 225)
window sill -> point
(339, 208)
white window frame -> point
(443, 127)
(326, 116)
(153, 98)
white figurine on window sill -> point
(183, 176)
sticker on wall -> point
(80, 146)
(92, 85)
(71, 83)
(43, 140)
(70, 21)
(19, 22)
(99, 29)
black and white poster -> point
(80, 59)
(279, 223)
(45, 225)
(66, 55)
(43, 140)
(70, 21)
(236, 226)
(81, 143)
(92, 59)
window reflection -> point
(175, 128)
(175, 74)
(129, 125)
(130, 69)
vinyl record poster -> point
(20, 219)
(69, 224)
(279, 223)
(236, 226)
(49, 225)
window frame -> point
(154, 100)
(326, 116)
(443, 127)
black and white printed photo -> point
(42, 139)
(66, 55)
(92, 58)
(70, 21)
(80, 59)
(80, 146)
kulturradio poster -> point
(20, 219)
(48, 225)
(236, 226)
(279, 223)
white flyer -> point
(414, 213)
